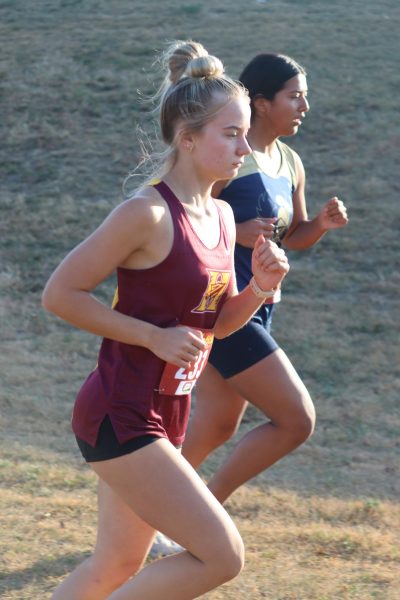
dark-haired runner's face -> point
(220, 147)
(289, 107)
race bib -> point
(177, 381)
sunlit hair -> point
(194, 89)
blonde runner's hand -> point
(269, 264)
(180, 345)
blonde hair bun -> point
(204, 66)
(191, 59)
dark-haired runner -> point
(267, 197)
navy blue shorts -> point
(245, 347)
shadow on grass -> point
(40, 571)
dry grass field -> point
(324, 523)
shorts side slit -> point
(107, 445)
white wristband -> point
(257, 291)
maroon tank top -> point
(188, 288)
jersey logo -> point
(217, 283)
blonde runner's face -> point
(219, 148)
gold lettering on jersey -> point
(217, 283)
(115, 299)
